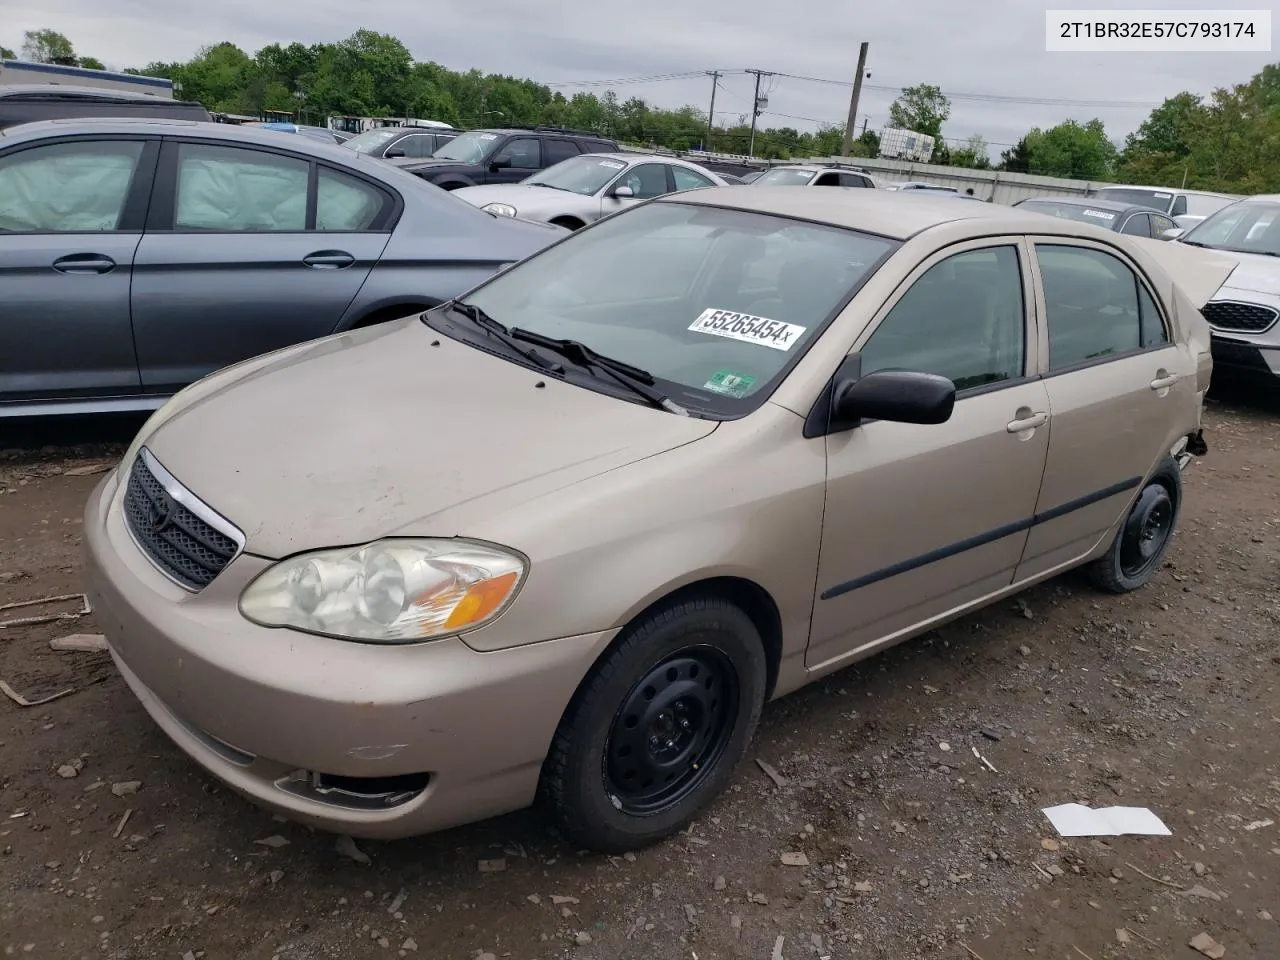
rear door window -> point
(234, 189)
(78, 187)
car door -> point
(516, 160)
(645, 180)
(1159, 224)
(1112, 375)
(71, 217)
(1137, 225)
(923, 520)
(247, 250)
(682, 178)
(557, 150)
(854, 180)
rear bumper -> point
(373, 741)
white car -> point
(1243, 314)
(813, 175)
(581, 190)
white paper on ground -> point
(1077, 820)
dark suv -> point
(502, 156)
(32, 102)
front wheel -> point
(657, 728)
(1142, 540)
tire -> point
(1143, 538)
(612, 790)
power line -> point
(882, 88)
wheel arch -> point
(569, 221)
(390, 311)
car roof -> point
(1172, 190)
(1095, 203)
(155, 127)
(75, 90)
(886, 213)
(412, 127)
(530, 131)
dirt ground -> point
(915, 847)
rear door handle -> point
(84, 263)
(1028, 423)
(329, 259)
(1163, 383)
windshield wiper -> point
(496, 330)
(550, 186)
(639, 382)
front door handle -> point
(329, 259)
(1163, 382)
(1028, 423)
(84, 263)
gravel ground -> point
(900, 841)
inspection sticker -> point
(747, 328)
(730, 384)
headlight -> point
(391, 591)
(501, 209)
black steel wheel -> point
(1147, 530)
(1140, 544)
(673, 726)
(658, 725)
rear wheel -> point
(1142, 540)
(657, 728)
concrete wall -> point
(1002, 187)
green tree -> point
(1017, 159)
(1073, 150)
(92, 63)
(7, 54)
(921, 108)
(973, 153)
(48, 46)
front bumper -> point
(372, 741)
(1241, 359)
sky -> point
(975, 51)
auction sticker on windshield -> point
(1100, 214)
(612, 164)
(747, 328)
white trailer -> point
(14, 72)
(898, 144)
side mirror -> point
(1173, 233)
(901, 396)
(623, 193)
(393, 152)
(496, 165)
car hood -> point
(1256, 273)
(394, 430)
(1197, 271)
(524, 197)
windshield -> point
(1246, 227)
(1072, 211)
(470, 147)
(716, 304)
(785, 178)
(584, 175)
(371, 140)
(1162, 200)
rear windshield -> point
(1072, 211)
(785, 178)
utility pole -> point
(853, 101)
(711, 114)
(864, 125)
(755, 109)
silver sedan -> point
(583, 189)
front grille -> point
(186, 546)
(1245, 317)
